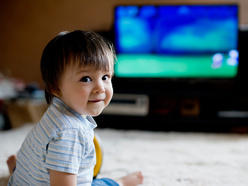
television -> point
(164, 42)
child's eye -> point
(85, 79)
(106, 77)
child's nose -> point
(99, 88)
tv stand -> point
(208, 111)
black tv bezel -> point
(151, 84)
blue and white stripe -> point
(62, 141)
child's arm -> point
(62, 179)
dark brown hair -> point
(79, 47)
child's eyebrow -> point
(87, 69)
(82, 71)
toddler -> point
(76, 68)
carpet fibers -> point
(165, 158)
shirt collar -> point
(88, 120)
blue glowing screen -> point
(177, 32)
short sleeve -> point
(65, 151)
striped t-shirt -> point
(61, 141)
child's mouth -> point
(95, 101)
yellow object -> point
(98, 155)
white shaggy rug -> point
(165, 158)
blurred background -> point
(28, 25)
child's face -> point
(86, 90)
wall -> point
(28, 25)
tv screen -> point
(176, 41)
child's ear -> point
(56, 92)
